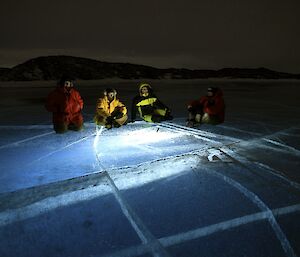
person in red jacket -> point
(66, 104)
(209, 109)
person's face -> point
(110, 96)
(68, 85)
(145, 90)
(210, 93)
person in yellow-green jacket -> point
(110, 112)
(149, 107)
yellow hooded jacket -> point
(105, 108)
(147, 105)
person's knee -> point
(147, 118)
(210, 119)
(160, 112)
(206, 118)
(198, 117)
(122, 120)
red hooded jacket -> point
(65, 105)
(212, 105)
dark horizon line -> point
(170, 68)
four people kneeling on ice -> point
(66, 104)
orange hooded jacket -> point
(65, 105)
(212, 105)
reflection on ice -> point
(146, 136)
(140, 143)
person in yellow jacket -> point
(110, 112)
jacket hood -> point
(108, 90)
(145, 85)
(65, 78)
(217, 92)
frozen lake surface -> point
(152, 189)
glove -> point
(109, 119)
(118, 115)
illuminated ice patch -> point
(136, 137)
(146, 136)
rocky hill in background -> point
(53, 67)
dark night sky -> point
(187, 33)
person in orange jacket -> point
(209, 109)
(66, 104)
(110, 111)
